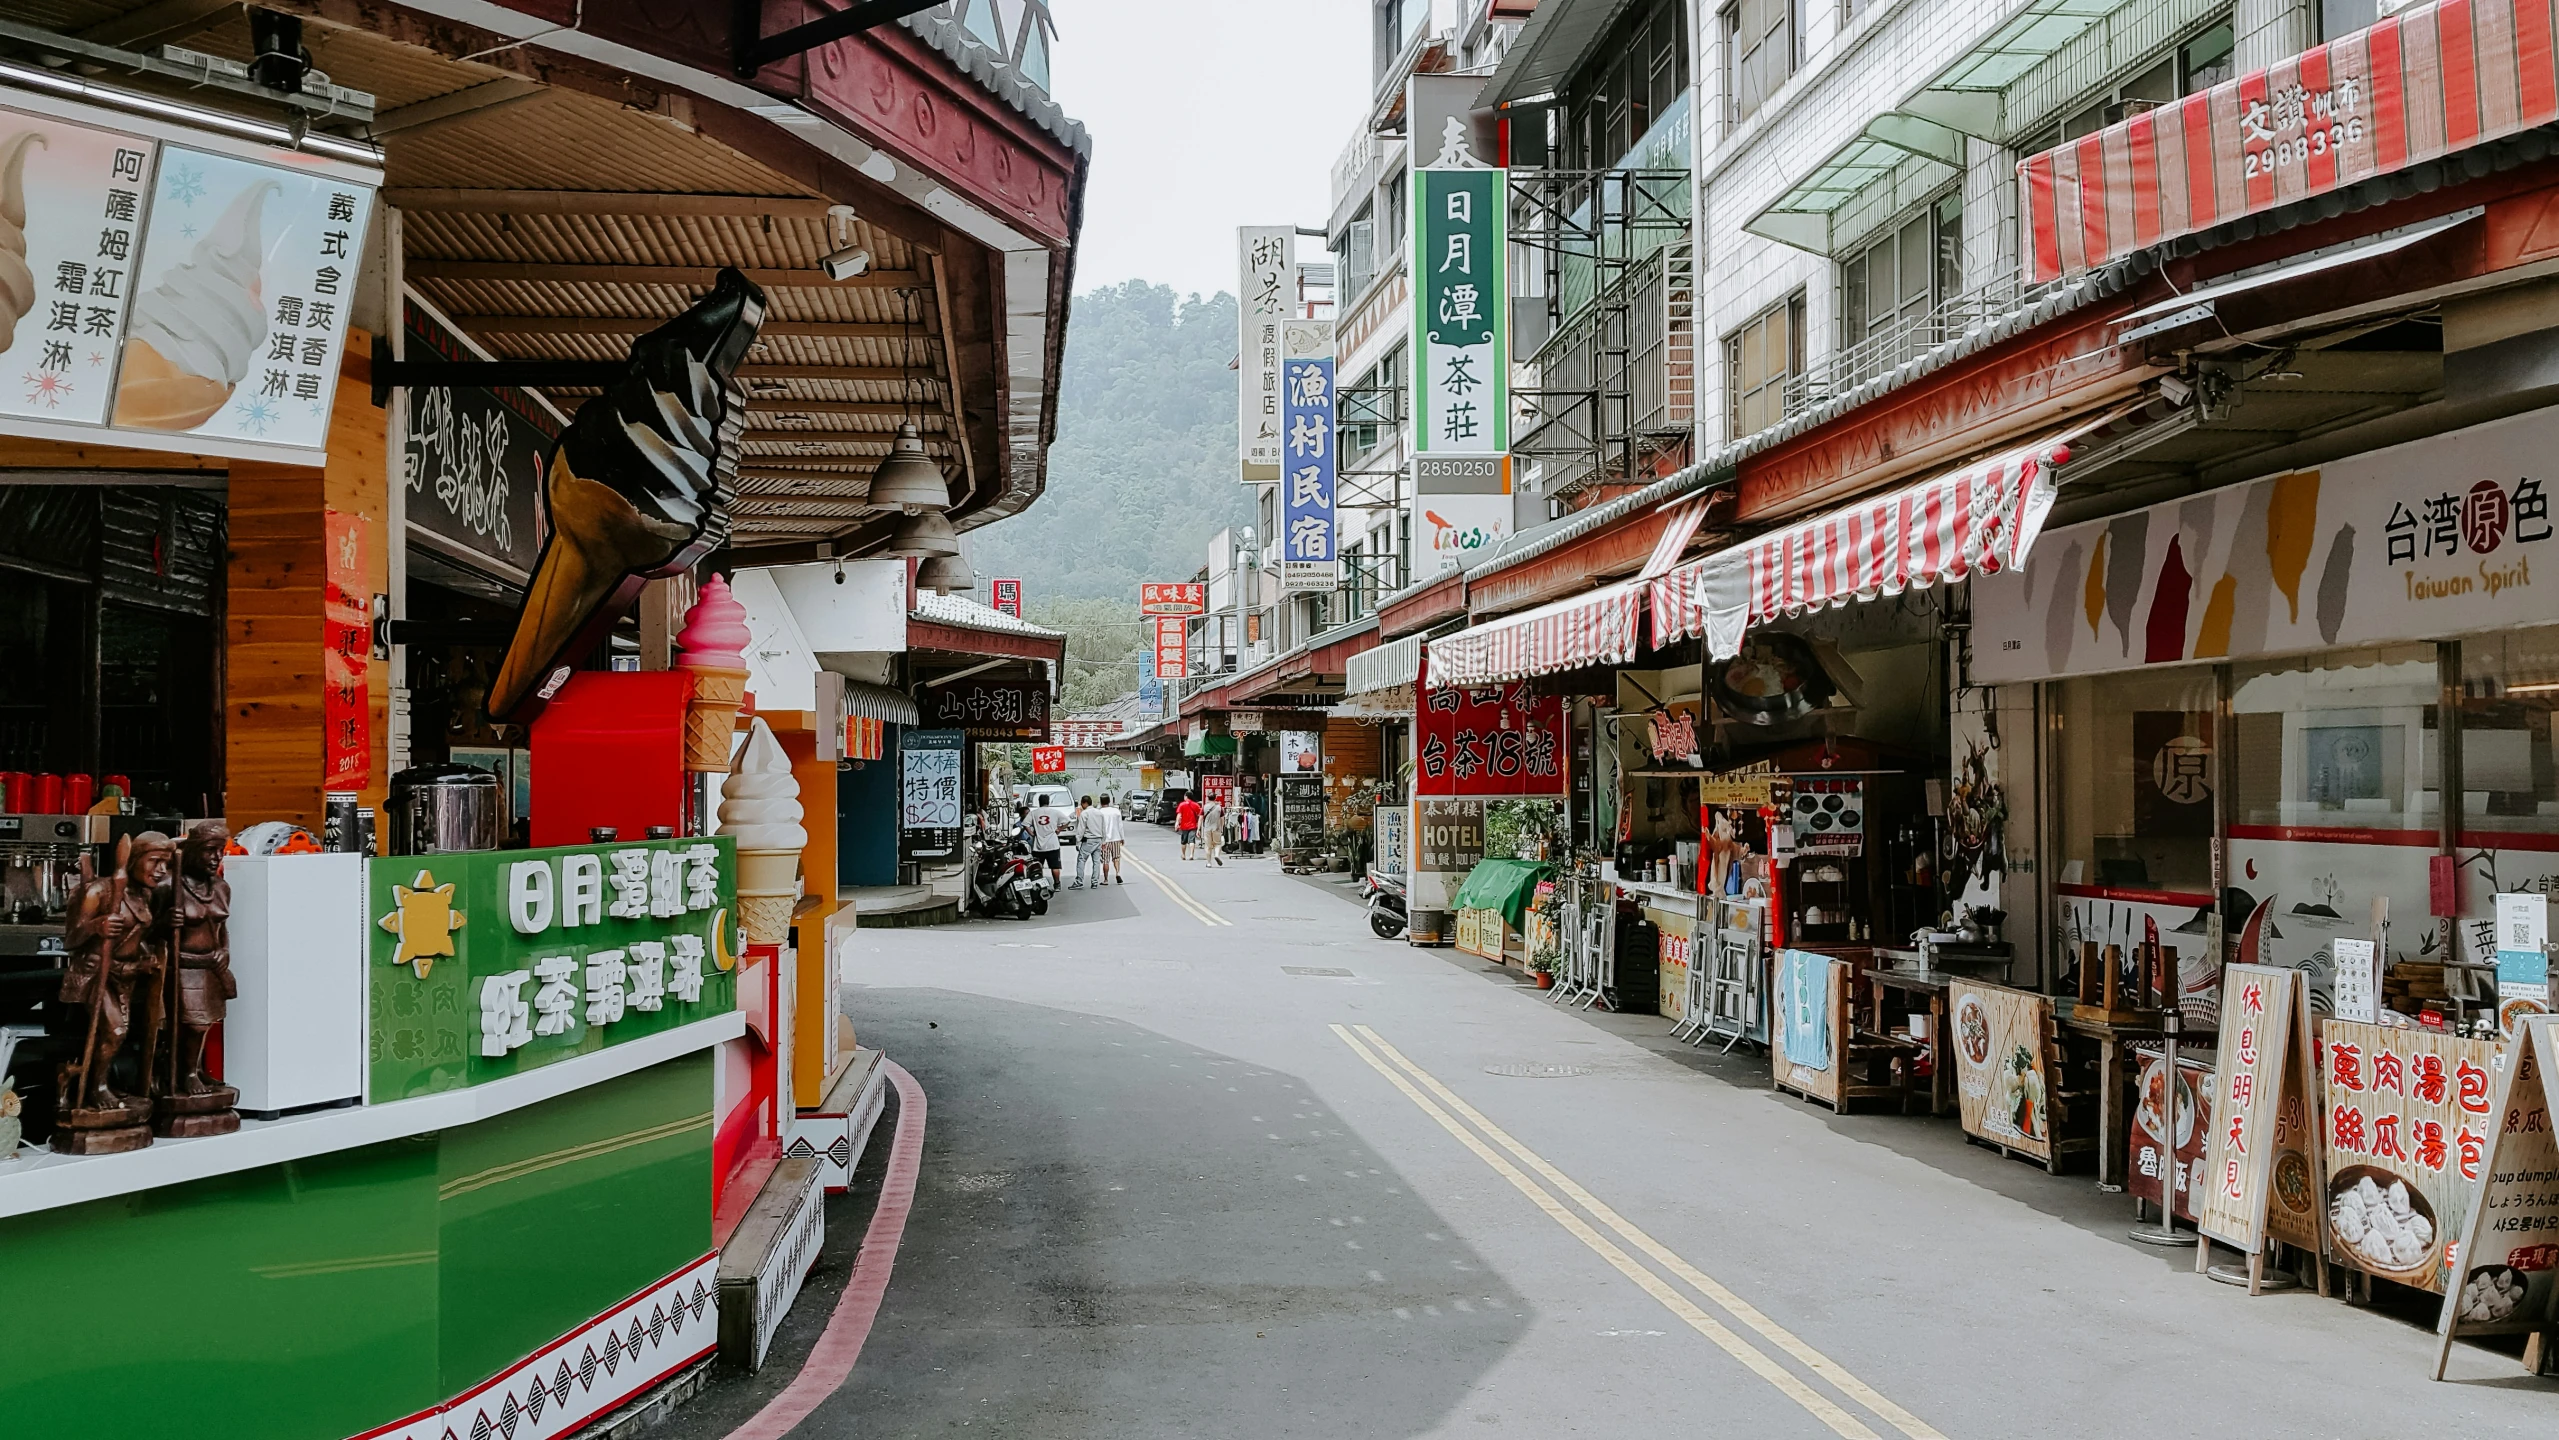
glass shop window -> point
(2136, 775)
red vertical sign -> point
(1008, 597)
(1488, 740)
(1172, 646)
(347, 634)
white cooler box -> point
(294, 1039)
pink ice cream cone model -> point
(760, 809)
(714, 641)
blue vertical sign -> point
(1308, 466)
(1150, 688)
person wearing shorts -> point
(1114, 839)
(1186, 819)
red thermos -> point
(79, 792)
(48, 795)
(17, 787)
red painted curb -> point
(831, 1359)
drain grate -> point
(1332, 970)
(1536, 1070)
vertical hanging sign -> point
(1150, 689)
(1172, 647)
(1307, 472)
(345, 711)
(1008, 597)
(1461, 386)
(1266, 283)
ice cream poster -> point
(72, 200)
(247, 277)
(2446, 535)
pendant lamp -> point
(928, 534)
(908, 479)
(948, 574)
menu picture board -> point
(2263, 1174)
(2407, 1116)
(1301, 800)
(2179, 1159)
(1479, 932)
(1675, 949)
(2003, 1058)
(2509, 1250)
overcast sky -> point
(1183, 99)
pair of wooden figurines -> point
(148, 974)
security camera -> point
(846, 263)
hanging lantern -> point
(948, 574)
(908, 479)
(928, 534)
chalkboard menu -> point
(474, 458)
(1301, 800)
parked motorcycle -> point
(1386, 901)
(1005, 877)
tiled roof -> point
(959, 610)
(940, 28)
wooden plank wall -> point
(273, 642)
(1351, 757)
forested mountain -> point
(1143, 471)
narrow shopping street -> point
(1211, 1160)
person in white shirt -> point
(1088, 845)
(1213, 830)
(1113, 839)
(1044, 841)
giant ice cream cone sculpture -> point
(714, 641)
(17, 282)
(195, 333)
(760, 809)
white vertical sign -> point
(1266, 289)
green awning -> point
(1905, 154)
(1209, 745)
(1503, 885)
(2017, 75)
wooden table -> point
(2115, 1072)
(1941, 1054)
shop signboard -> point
(346, 607)
(1301, 799)
(1481, 933)
(1172, 597)
(1388, 825)
(2407, 1116)
(2508, 1253)
(1301, 750)
(1172, 646)
(1048, 759)
(186, 291)
(988, 709)
(1448, 842)
(1150, 686)
(1465, 505)
(1266, 270)
(1307, 470)
(1461, 289)
(2156, 1154)
(1830, 818)
(1218, 790)
(472, 458)
(1674, 950)
(2003, 1053)
(929, 779)
(492, 964)
(1007, 595)
(2262, 1164)
(2437, 537)
(1488, 740)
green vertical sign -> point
(494, 963)
(1461, 332)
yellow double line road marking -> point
(1179, 896)
(1438, 1104)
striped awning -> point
(865, 701)
(1980, 519)
(1600, 627)
(2432, 80)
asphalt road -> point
(1205, 1158)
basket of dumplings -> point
(2382, 1225)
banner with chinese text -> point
(2407, 1116)
(1307, 470)
(2262, 1172)
(929, 779)
(987, 709)
(1172, 597)
(187, 291)
(1007, 595)
(495, 963)
(1461, 300)
(2509, 1235)
(1172, 647)
(1266, 294)
(346, 607)
(1492, 740)
(2417, 541)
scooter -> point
(1006, 878)
(1385, 896)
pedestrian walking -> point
(1114, 839)
(1213, 830)
(1089, 834)
(1044, 841)
(1186, 819)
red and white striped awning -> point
(1602, 627)
(1980, 519)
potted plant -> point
(1542, 965)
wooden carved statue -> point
(116, 959)
(199, 981)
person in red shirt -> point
(1186, 819)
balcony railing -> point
(1847, 368)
